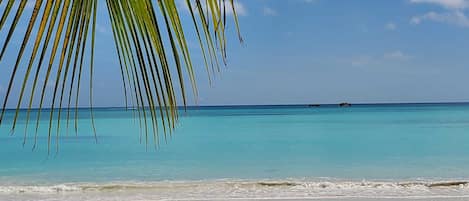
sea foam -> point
(239, 189)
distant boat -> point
(345, 104)
(314, 105)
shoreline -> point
(230, 189)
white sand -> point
(244, 190)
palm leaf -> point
(151, 48)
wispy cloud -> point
(390, 26)
(456, 18)
(269, 11)
(449, 4)
(388, 57)
(396, 56)
(240, 8)
(454, 14)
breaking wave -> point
(250, 189)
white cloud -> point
(269, 11)
(239, 7)
(396, 56)
(456, 18)
(449, 4)
(390, 26)
(454, 15)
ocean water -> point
(235, 152)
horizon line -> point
(269, 105)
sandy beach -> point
(241, 190)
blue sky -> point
(319, 51)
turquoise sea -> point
(221, 152)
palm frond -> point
(151, 48)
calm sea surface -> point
(406, 142)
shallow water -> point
(372, 143)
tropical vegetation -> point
(150, 45)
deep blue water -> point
(407, 141)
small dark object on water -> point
(447, 184)
(277, 184)
(314, 105)
(345, 104)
